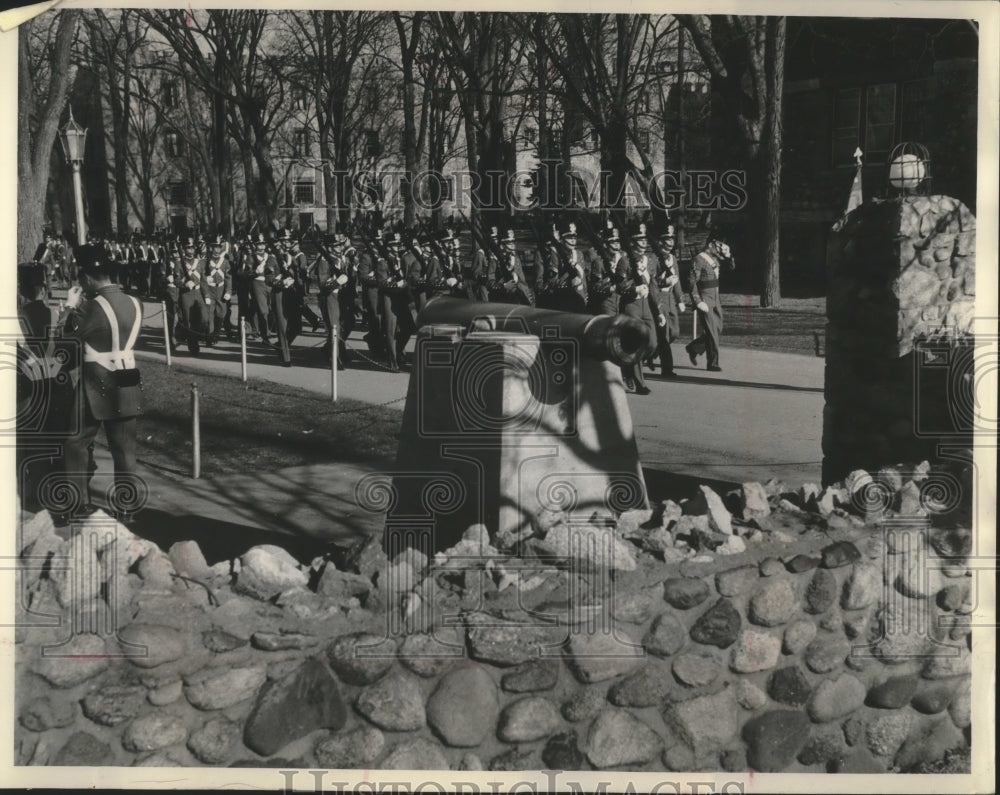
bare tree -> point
(45, 73)
(746, 56)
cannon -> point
(620, 339)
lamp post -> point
(73, 137)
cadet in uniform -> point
(639, 299)
(192, 296)
(565, 279)
(368, 283)
(398, 308)
(477, 277)
(286, 304)
(218, 290)
(451, 266)
(333, 277)
(299, 267)
(704, 289)
(671, 298)
(261, 269)
(604, 299)
(507, 277)
(108, 393)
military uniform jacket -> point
(218, 277)
(631, 275)
(262, 269)
(99, 385)
(703, 282)
(189, 276)
(327, 273)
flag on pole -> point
(855, 198)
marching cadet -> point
(639, 293)
(298, 265)
(193, 300)
(603, 292)
(368, 283)
(564, 280)
(704, 289)
(484, 262)
(109, 391)
(671, 298)
(398, 315)
(451, 266)
(348, 295)
(286, 306)
(333, 275)
(218, 290)
(509, 284)
(423, 271)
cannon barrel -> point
(620, 339)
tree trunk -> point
(774, 67)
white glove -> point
(170, 280)
(401, 283)
(226, 297)
(451, 281)
(681, 308)
(208, 302)
(513, 278)
(342, 279)
(74, 296)
(641, 291)
(703, 307)
(662, 320)
(288, 281)
(670, 282)
(189, 284)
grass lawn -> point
(789, 329)
(256, 426)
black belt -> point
(708, 283)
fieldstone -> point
(513, 760)
(953, 597)
(187, 559)
(150, 645)
(220, 641)
(947, 661)
(266, 571)
(696, 670)
(859, 761)
(824, 744)
(356, 748)
(287, 709)
(704, 722)
(218, 688)
(631, 522)
(679, 756)
(152, 732)
(952, 542)
(734, 582)
(342, 586)
(685, 592)
(835, 698)
(928, 742)
(282, 641)
(798, 635)
(733, 760)
(893, 693)
(84, 750)
(43, 713)
(733, 545)
(428, 656)
(512, 644)
(960, 708)
(361, 657)
(216, 741)
(719, 519)
(666, 636)
(755, 651)
(618, 738)
(82, 658)
(770, 567)
(532, 677)
(749, 696)
(395, 703)
(470, 761)
(419, 754)
(840, 553)
(826, 654)
(114, 704)
(774, 738)
(587, 544)
(773, 603)
(789, 686)
(527, 720)
(636, 607)
(934, 698)
(895, 640)
(584, 704)
(885, 734)
(855, 625)
(156, 569)
(165, 694)
(801, 563)
(463, 708)
(600, 656)
(647, 687)
(562, 752)
(863, 587)
(717, 626)
(753, 502)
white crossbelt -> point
(36, 368)
(117, 358)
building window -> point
(305, 193)
(177, 193)
(866, 118)
(299, 99)
(642, 136)
(172, 144)
(595, 139)
(372, 147)
(915, 110)
(447, 189)
(170, 94)
(530, 135)
(846, 125)
(644, 102)
(880, 119)
(300, 142)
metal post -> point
(243, 348)
(694, 324)
(166, 331)
(195, 432)
(81, 229)
(333, 363)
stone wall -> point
(768, 629)
(901, 273)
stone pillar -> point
(900, 304)
(501, 425)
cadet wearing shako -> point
(262, 269)
(286, 304)
(348, 295)
(423, 270)
(333, 276)
(451, 266)
(509, 285)
(603, 292)
(484, 262)
(109, 392)
(671, 297)
(299, 267)
(396, 297)
(639, 293)
(368, 284)
(218, 289)
(565, 279)
(192, 296)
(704, 288)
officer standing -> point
(109, 393)
(704, 289)
(218, 289)
(193, 301)
(671, 298)
(639, 299)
